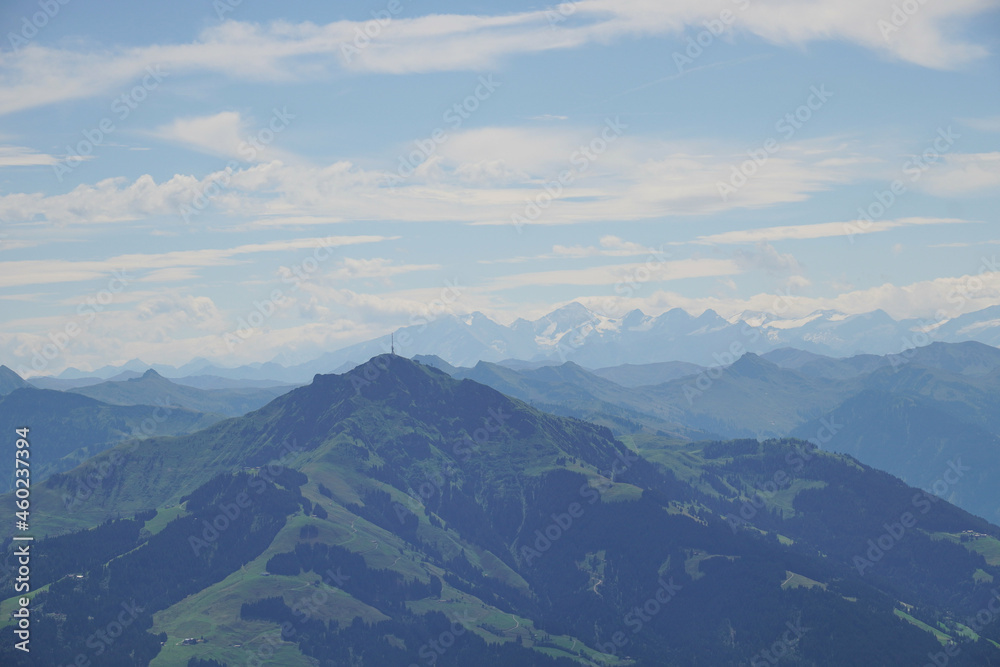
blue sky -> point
(242, 158)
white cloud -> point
(635, 178)
(963, 174)
(610, 246)
(765, 257)
(986, 124)
(20, 156)
(378, 267)
(47, 271)
(220, 134)
(226, 134)
(964, 244)
(282, 51)
(819, 230)
(612, 274)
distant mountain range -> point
(910, 414)
(82, 422)
(151, 387)
(70, 428)
(574, 333)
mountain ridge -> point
(598, 341)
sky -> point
(320, 173)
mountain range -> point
(84, 421)
(574, 333)
(909, 414)
(151, 387)
(397, 515)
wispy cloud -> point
(610, 246)
(172, 265)
(964, 174)
(282, 51)
(224, 134)
(985, 124)
(819, 230)
(611, 274)
(20, 156)
(481, 177)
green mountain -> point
(9, 381)
(152, 387)
(896, 413)
(396, 515)
(916, 422)
(70, 429)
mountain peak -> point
(435, 361)
(675, 315)
(9, 381)
(573, 307)
(384, 374)
(753, 365)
